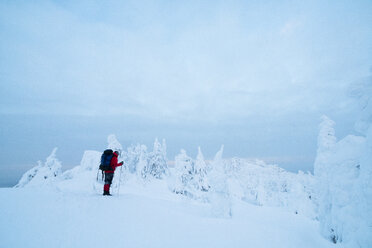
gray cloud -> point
(153, 59)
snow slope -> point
(143, 216)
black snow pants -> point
(108, 178)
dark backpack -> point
(106, 160)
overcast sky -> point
(253, 75)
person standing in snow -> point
(109, 174)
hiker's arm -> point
(115, 162)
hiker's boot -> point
(106, 192)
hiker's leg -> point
(108, 182)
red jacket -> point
(114, 163)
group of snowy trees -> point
(190, 176)
(220, 180)
(147, 165)
(216, 181)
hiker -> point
(109, 174)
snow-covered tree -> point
(42, 173)
(132, 156)
(184, 173)
(190, 176)
(337, 170)
(200, 180)
(89, 164)
(323, 171)
(90, 160)
(326, 141)
(219, 192)
(157, 161)
(362, 91)
(142, 163)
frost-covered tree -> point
(200, 179)
(326, 141)
(362, 91)
(142, 163)
(236, 179)
(42, 173)
(322, 171)
(337, 170)
(89, 164)
(183, 174)
(90, 160)
(145, 164)
(132, 156)
(219, 192)
(190, 176)
(157, 161)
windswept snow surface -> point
(143, 216)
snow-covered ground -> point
(143, 216)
